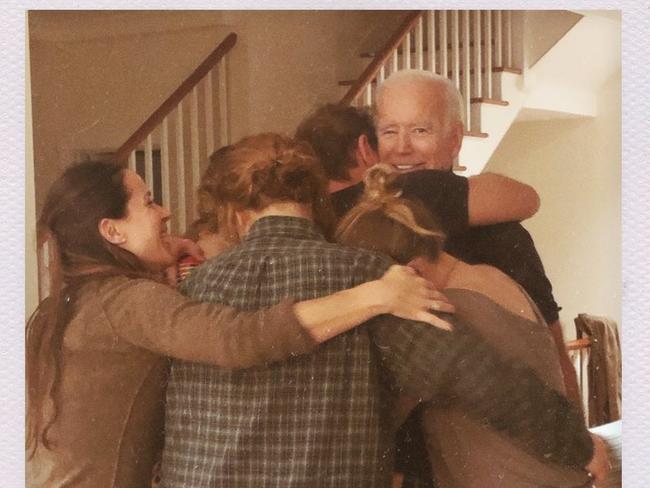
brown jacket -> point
(109, 430)
(466, 454)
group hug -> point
(356, 315)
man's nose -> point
(403, 142)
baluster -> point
(148, 164)
(394, 59)
(382, 74)
(367, 95)
(164, 162)
(224, 130)
(406, 51)
(476, 89)
(464, 17)
(419, 48)
(194, 146)
(209, 114)
(444, 55)
(498, 39)
(455, 51)
(487, 55)
(508, 38)
(432, 40)
(132, 165)
(180, 170)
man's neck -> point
(338, 185)
(279, 209)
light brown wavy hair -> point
(384, 222)
(260, 170)
(206, 208)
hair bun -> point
(380, 183)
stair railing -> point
(179, 136)
(451, 43)
(163, 134)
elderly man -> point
(419, 127)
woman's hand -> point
(180, 247)
(405, 294)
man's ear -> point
(457, 133)
(366, 155)
(109, 231)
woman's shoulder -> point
(490, 287)
(100, 304)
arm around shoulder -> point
(494, 198)
(153, 316)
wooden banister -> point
(382, 56)
(578, 344)
(175, 98)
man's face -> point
(410, 128)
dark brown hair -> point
(383, 222)
(69, 223)
(263, 169)
(332, 131)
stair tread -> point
(503, 69)
(491, 101)
(425, 49)
(498, 69)
(482, 135)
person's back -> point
(465, 454)
(318, 420)
(462, 452)
(312, 421)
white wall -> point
(575, 165)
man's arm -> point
(428, 363)
(494, 198)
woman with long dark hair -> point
(96, 347)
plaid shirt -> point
(322, 420)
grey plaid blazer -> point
(322, 420)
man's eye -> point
(388, 132)
(420, 130)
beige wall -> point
(543, 28)
(575, 165)
(97, 75)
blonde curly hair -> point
(382, 221)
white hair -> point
(454, 112)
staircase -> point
(171, 147)
(483, 52)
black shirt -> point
(508, 246)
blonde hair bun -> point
(380, 183)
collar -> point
(282, 226)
